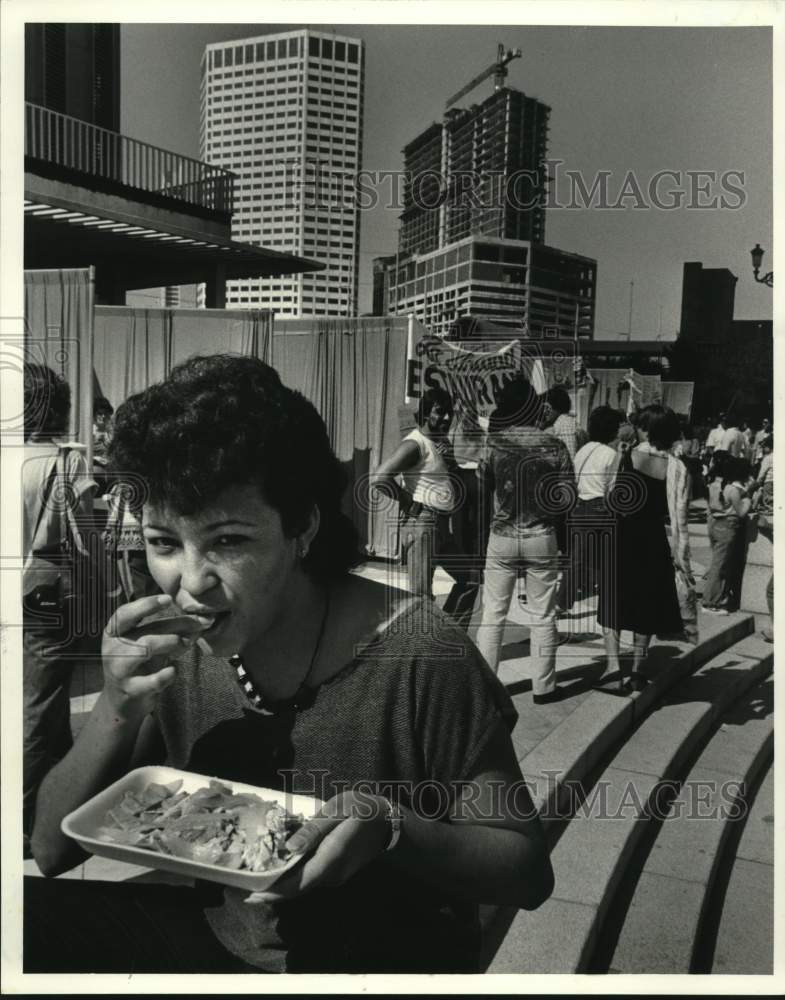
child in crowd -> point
(729, 505)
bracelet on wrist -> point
(394, 817)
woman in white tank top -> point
(429, 496)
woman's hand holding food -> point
(136, 668)
(349, 832)
(137, 658)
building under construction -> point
(480, 172)
(472, 236)
(534, 289)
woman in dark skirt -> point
(640, 593)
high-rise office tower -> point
(284, 112)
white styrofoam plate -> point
(84, 824)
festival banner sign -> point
(649, 386)
(608, 387)
(625, 391)
(474, 373)
(678, 396)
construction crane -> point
(498, 70)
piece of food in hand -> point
(211, 825)
(173, 625)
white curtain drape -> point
(59, 333)
(354, 372)
(134, 348)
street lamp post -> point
(757, 258)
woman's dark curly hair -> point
(662, 425)
(429, 399)
(517, 405)
(226, 420)
(736, 469)
(604, 424)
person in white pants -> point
(525, 469)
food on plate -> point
(212, 825)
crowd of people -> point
(283, 666)
(739, 473)
(574, 518)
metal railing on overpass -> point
(79, 146)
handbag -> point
(765, 510)
(688, 605)
(765, 524)
(688, 609)
(43, 597)
(69, 593)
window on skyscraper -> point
(327, 48)
(282, 48)
(484, 251)
(340, 50)
(313, 46)
(294, 46)
(353, 53)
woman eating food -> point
(282, 669)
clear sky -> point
(622, 99)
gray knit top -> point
(412, 714)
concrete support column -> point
(215, 289)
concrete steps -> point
(603, 721)
(744, 941)
(632, 744)
(664, 921)
(559, 745)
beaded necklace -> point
(304, 695)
